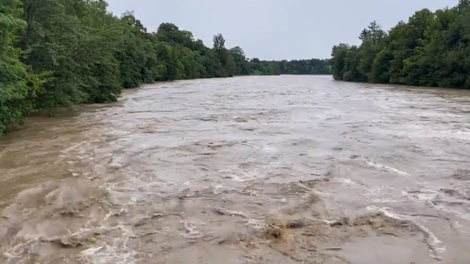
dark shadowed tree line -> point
(431, 49)
(63, 53)
(312, 66)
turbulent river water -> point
(286, 169)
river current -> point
(283, 169)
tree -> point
(15, 88)
(62, 53)
(373, 31)
(431, 49)
(226, 63)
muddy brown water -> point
(287, 169)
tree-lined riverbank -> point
(63, 53)
(431, 49)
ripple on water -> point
(255, 169)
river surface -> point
(285, 169)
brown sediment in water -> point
(266, 170)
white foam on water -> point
(377, 194)
(190, 229)
(385, 167)
(434, 240)
(345, 181)
(116, 253)
(15, 252)
(112, 252)
(108, 255)
(384, 200)
(186, 183)
(257, 224)
(430, 195)
(460, 214)
(246, 176)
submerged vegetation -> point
(431, 49)
(63, 53)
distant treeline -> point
(431, 49)
(63, 53)
(312, 66)
(300, 67)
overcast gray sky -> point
(276, 29)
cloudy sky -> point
(276, 29)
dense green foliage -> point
(13, 87)
(312, 66)
(62, 53)
(431, 49)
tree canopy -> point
(430, 49)
(310, 67)
(63, 53)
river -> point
(283, 169)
